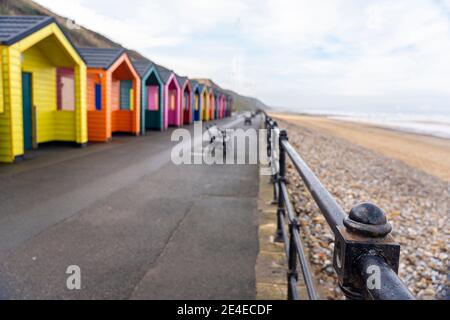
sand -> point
(426, 153)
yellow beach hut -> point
(206, 106)
(42, 86)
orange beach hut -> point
(113, 93)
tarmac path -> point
(137, 225)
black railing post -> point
(364, 237)
(283, 136)
(269, 145)
(292, 260)
(281, 178)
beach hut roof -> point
(181, 80)
(210, 84)
(164, 73)
(101, 57)
(143, 66)
(194, 84)
(15, 28)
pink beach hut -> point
(172, 98)
(221, 105)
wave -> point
(437, 125)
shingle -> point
(194, 83)
(15, 28)
(181, 80)
(164, 73)
(142, 66)
(100, 57)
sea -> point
(426, 122)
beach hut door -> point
(186, 101)
(27, 111)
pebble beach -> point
(416, 202)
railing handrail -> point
(365, 258)
(331, 210)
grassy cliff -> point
(240, 102)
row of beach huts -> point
(51, 90)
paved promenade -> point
(138, 226)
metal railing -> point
(365, 258)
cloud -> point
(284, 51)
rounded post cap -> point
(367, 219)
(283, 135)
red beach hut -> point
(186, 99)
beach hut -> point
(171, 98)
(212, 104)
(113, 87)
(42, 86)
(226, 103)
(196, 100)
(216, 104)
(152, 93)
(205, 101)
(186, 99)
(229, 104)
(222, 104)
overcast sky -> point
(299, 53)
